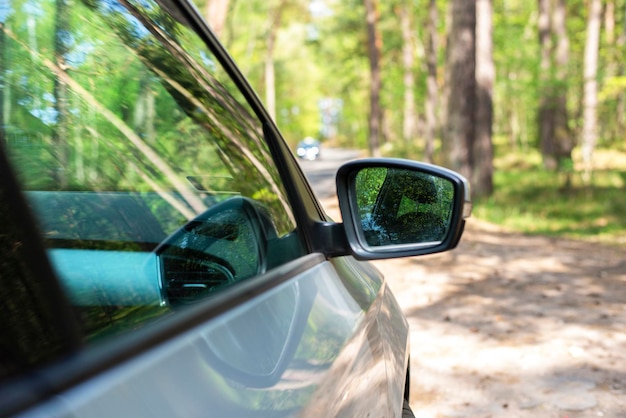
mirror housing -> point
(399, 208)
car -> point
(308, 149)
(162, 251)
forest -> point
(525, 98)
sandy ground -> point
(508, 325)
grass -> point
(532, 200)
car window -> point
(149, 176)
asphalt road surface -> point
(321, 172)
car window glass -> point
(150, 178)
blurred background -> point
(526, 99)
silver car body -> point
(343, 351)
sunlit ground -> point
(514, 325)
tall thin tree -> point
(374, 47)
(555, 137)
(432, 87)
(590, 91)
(545, 113)
(621, 97)
(461, 64)
(563, 141)
(482, 151)
(409, 127)
(216, 12)
(61, 131)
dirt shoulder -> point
(508, 325)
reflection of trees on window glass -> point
(104, 105)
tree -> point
(61, 132)
(621, 96)
(216, 12)
(409, 129)
(374, 46)
(564, 142)
(461, 64)
(432, 88)
(554, 134)
(590, 92)
(546, 109)
(270, 74)
(482, 151)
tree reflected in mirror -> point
(401, 206)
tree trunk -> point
(409, 128)
(545, 112)
(482, 152)
(621, 99)
(145, 112)
(590, 99)
(563, 141)
(270, 75)
(61, 131)
(216, 13)
(555, 137)
(432, 87)
(459, 130)
(374, 46)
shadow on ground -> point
(512, 325)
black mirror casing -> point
(407, 179)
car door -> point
(175, 262)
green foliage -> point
(333, 63)
(535, 201)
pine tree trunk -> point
(374, 45)
(460, 120)
(621, 98)
(409, 127)
(590, 99)
(563, 141)
(61, 131)
(270, 74)
(482, 152)
(216, 12)
(432, 87)
(545, 114)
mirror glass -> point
(401, 206)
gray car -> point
(162, 253)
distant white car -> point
(308, 149)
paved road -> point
(321, 172)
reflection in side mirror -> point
(393, 207)
(401, 206)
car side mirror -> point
(398, 208)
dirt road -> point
(508, 325)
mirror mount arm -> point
(331, 239)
